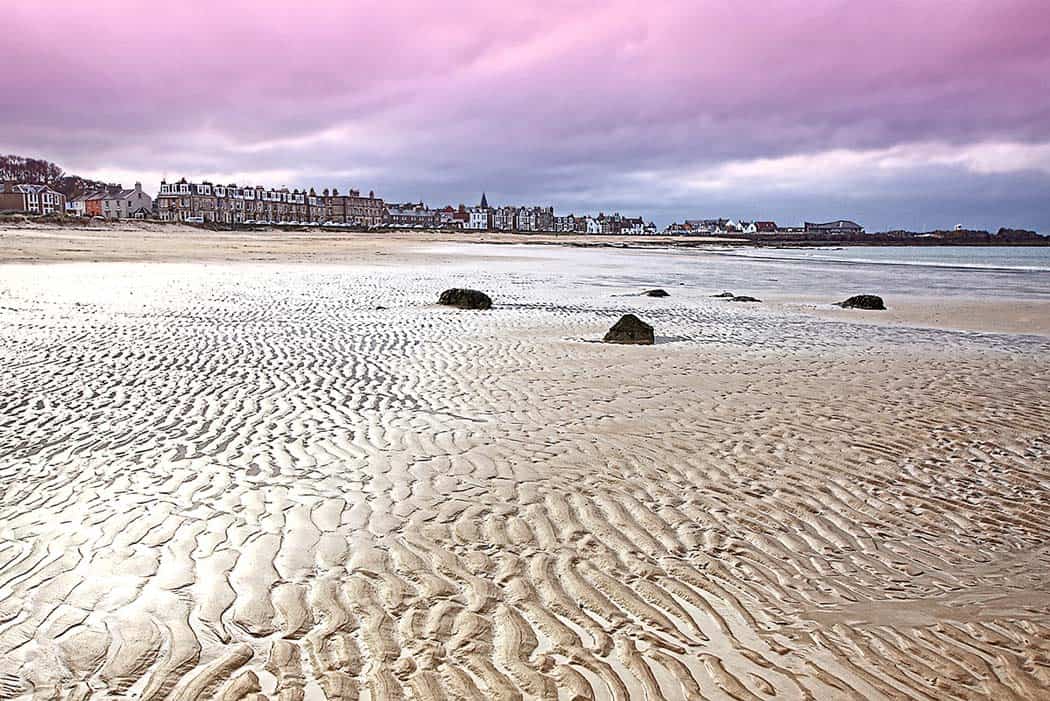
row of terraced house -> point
(209, 203)
(230, 204)
(526, 219)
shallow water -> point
(971, 273)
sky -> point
(918, 114)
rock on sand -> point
(862, 302)
(465, 299)
(630, 329)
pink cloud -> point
(493, 87)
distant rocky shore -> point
(953, 237)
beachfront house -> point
(231, 204)
(411, 214)
(505, 218)
(535, 219)
(127, 204)
(480, 219)
(450, 217)
(760, 227)
(481, 216)
(633, 226)
(93, 203)
(355, 209)
(565, 224)
(75, 206)
(705, 226)
(31, 198)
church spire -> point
(484, 201)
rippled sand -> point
(303, 481)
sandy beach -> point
(269, 466)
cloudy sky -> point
(916, 113)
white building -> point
(480, 218)
(128, 204)
(633, 226)
(75, 206)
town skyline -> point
(39, 187)
(803, 110)
(809, 208)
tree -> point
(29, 170)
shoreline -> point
(145, 242)
(573, 240)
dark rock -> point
(630, 329)
(862, 302)
(465, 299)
(725, 294)
(743, 298)
(656, 293)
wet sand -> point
(288, 481)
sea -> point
(931, 271)
(1018, 271)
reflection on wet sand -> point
(248, 482)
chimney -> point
(138, 187)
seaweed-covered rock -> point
(656, 293)
(744, 298)
(630, 329)
(465, 299)
(862, 302)
(724, 295)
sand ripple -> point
(250, 483)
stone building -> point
(505, 218)
(353, 209)
(412, 214)
(535, 219)
(231, 204)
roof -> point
(838, 223)
(28, 188)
